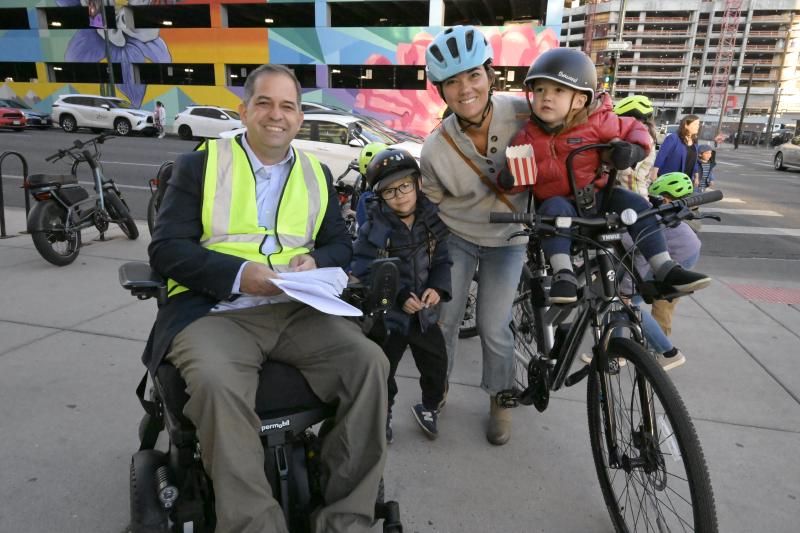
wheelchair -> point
(170, 491)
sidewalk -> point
(70, 342)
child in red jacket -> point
(564, 116)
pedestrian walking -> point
(160, 119)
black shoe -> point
(564, 289)
(389, 432)
(426, 418)
(685, 280)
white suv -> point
(73, 111)
(205, 121)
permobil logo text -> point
(567, 77)
(278, 425)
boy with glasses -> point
(403, 223)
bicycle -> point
(64, 207)
(640, 431)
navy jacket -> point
(671, 156)
(424, 260)
(175, 252)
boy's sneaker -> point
(564, 289)
(683, 280)
(587, 359)
(426, 418)
(389, 432)
(671, 359)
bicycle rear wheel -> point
(523, 327)
(659, 480)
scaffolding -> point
(588, 32)
(725, 49)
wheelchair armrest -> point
(142, 281)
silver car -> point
(787, 154)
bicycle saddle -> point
(41, 180)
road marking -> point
(750, 230)
(732, 200)
(91, 184)
(748, 212)
(126, 163)
(731, 164)
(770, 165)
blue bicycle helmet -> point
(455, 50)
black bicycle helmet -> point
(568, 66)
(390, 165)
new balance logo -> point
(428, 416)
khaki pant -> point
(662, 312)
(219, 357)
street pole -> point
(744, 109)
(722, 109)
(775, 97)
(620, 27)
(110, 66)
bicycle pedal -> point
(507, 399)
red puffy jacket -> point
(551, 150)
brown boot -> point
(499, 430)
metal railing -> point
(3, 156)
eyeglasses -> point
(404, 188)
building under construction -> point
(695, 56)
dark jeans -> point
(430, 355)
(652, 243)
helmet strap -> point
(464, 123)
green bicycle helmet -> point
(676, 184)
(366, 155)
(637, 106)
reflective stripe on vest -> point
(230, 213)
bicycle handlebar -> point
(531, 219)
(77, 144)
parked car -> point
(73, 111)
(35, 119)
(12, 118)
(205, 121)
(336, 138)
(787, 155)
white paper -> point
(320, 288)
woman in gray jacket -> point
(460, 161)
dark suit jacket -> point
(175, 252)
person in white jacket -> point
(160, 119)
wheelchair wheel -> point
(147, 515)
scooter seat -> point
(282, 390)
(43, 180)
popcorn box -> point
(522, 164)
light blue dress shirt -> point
(270, 180)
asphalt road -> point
(759, 231)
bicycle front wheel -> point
(523, 327)
(648, 458)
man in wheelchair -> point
(234, 216)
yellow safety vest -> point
(230, 215)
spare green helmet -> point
(676, 184)
(366, 155)
(637, 106)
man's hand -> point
(413, 304)
(302, 262)
(430, 297)
(255, 280)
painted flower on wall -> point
(419, 112)
(128, 46)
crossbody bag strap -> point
(486, 181)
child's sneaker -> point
(426, 418)
(683, 280)
(389, 432)
(564, 289)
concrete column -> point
(322, 14)
(436, 13)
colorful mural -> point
(415, 111)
